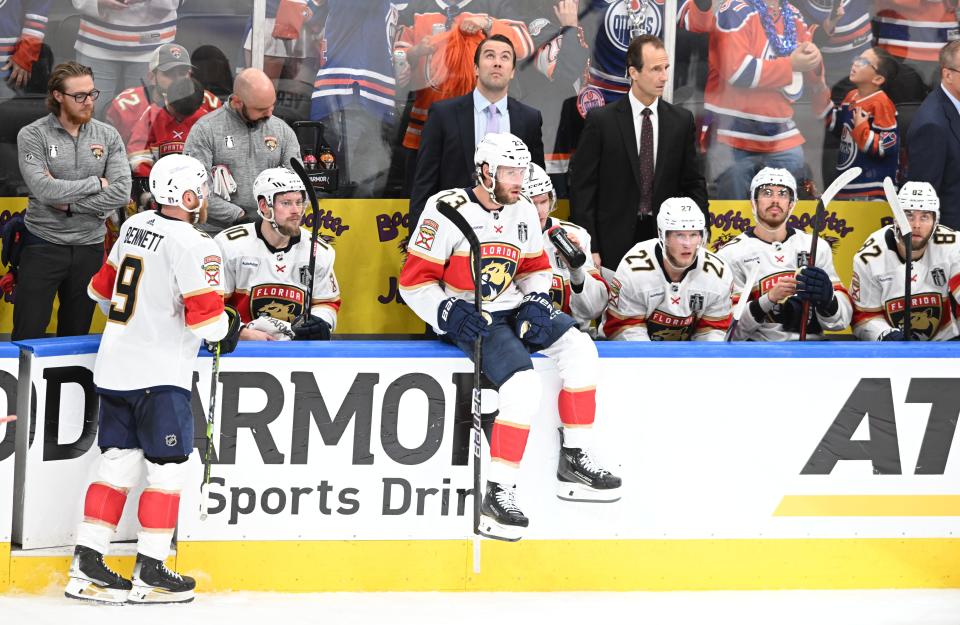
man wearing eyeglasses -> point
(934, 138)
(77, 172)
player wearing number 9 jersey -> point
(161, 291)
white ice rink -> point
(878, 607)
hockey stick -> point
(312, 194)
(819, 216)
(211, 409)
(450, 211)
(906, 232)
(744, 301)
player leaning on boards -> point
(775, 312)
(576, 287)
(518, 319)
(266, 267)
(877, 286)
(670, 288)
(160, 289)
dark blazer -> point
(445, 158)
(605, 174)
(933, 142)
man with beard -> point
(266, 266)
(518, 319)
(160, 289)
(76, 170)
(878, 275)
(238, 141)
(670, 288)
(786, 280)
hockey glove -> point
(460, 319)
(814, 285)
(278, 329)
(897, 335)
(310, 329)
(789, 314)
(229, 341)
(533, 318)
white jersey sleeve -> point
(326, 289)
(533, 277)
(869, 320)
(584, 302)
(629, 304)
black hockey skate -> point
(500, 516)
(582, 479)
(153, 582)
(92, 580)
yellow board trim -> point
(869, 505)
(4, 569)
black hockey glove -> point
(310, 329)
(460, 320)
(532, 323)
(897, 335)
(815, 286)
(229, 341)
(789, 314)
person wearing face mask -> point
(266, 267)
(76, 170)
(775, 309)
(670, 288)
(237, 142)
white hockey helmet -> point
(271, 182)
(538, 183)
(772, 176)
(679, 213)
(175, 174)
(919, 196)
(501, 149)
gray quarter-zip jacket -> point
(61, 170)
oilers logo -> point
(625, 16)
(498, 265)
(848, 149)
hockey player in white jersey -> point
(877, 286)
(266, 266)
(577, 287)
(776, 307)
(518, 319)
(670, 288)
(160, 288)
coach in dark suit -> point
(445, 159)
(634, 154)
(933, 140)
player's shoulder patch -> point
(733, 15)
(457, 198)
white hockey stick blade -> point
(745, 293)
(898, 215)
(842, 180)
(204, 500)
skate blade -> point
(491, 529)
(86, 590)
(151, 595)
(581, 493)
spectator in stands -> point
(456, 126)
(634, 154)
(355, 91)
(914, 32)
(934, 138)
(762, 60)
(118, 37)
(844, 33)
(866, 123)
(76, 170)
(285, 34)
(212, 69)
(168, 63)
(238, 141)
(23, 24)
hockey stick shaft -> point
(890, 191)
(744, 300)
(819, 217)
(211, 411)
(458, 220)
(315, 232)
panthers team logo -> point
(498, 266)
(663, 326)
(271, 143)
(97, 150)
(625, 16)
(927, 312)
(280, 301)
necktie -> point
(646, 164)
(493, 118)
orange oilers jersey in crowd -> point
(158, 133)
(777, 260)
(749, 90)
(513, 261)
(873, 144)
(163, 283)
(259, 279)
(588, 304)
(645, 305)
(914, 29)
(878, 280)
